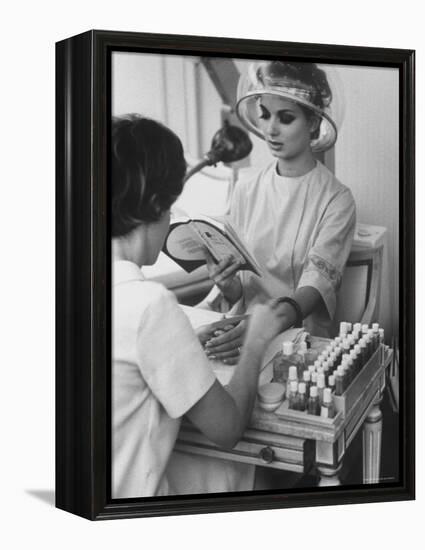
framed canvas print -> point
(235, 282)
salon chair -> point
(359, 295)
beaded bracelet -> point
(295, 305)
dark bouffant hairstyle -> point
(148, 168)
(306, 74)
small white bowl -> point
(269, 407)
(270, 396)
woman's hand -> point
(224, 276)
(265, 322)
(205, 333)
(226, 343)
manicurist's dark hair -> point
(148, 168)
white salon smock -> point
(300, 231)
(159, 371)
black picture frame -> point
(83, 274)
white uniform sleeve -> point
(170, 356)
(326, 259)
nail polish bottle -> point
(293, 395)
(287, 359)
(302, 397)
(331, 383)
(313, 405)
(343, 329)
(292, 377)
(321, 385)
(339, 380)
(307, 382)
(327, 409)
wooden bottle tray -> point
(370, 371)
(307, 419)
(363, 384)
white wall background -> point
(367, 161)
(29, 31)
(173, 89)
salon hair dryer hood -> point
(229, 144)
(323, 95)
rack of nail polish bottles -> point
(329, 384)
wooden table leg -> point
(328, 476)
(329, 461)
(372, 439)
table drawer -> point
(260, 449)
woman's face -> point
(286, 128)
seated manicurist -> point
(159, 369)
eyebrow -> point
(279, 111)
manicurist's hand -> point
(266, 321)
(224, 276)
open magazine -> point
(188, 238)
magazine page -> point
(188, 238)
(183, 243)
(241, 245)
(217, 243)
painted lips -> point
(275, 144)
